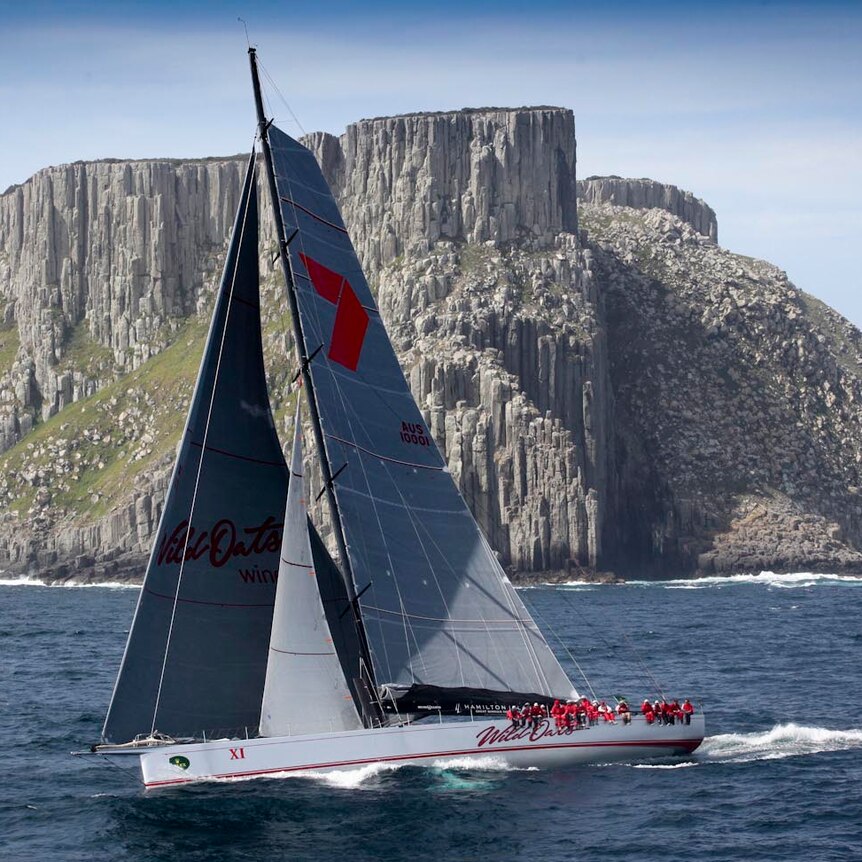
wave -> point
(486, 763)
(350, 779)
(784, 740)
(569, 586)
(792, 580)
(36, 582)
(346, 779)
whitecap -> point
(348, 779)
(486, 763)
(783, 740)
(790, 580)
(36, 582)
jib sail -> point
(196, 654)
(306, 690)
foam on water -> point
(784, 740)
(35, 582)
(791, 580)
(348, 779)
(486, 763)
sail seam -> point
(292, 652)
(242, 301)
(201, 602)
(370, 308)
(314, 215)
(385, 457)
(298, 565)
(235, 455)
(514, 622)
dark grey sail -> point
(437, 607)
(196, 655)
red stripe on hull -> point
(687, 745)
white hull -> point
(413, 744)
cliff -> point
(610, 388)
(648, 194)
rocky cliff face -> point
(97, 262)
(648, 194)
(737, 405)
(629, 396)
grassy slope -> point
(90, 454)
(84, 462)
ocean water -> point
(776, 661)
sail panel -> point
(305, 689)
(196, 655)
(437, 607)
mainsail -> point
(305, 690)
(437, 607)
(196, 655)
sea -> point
(775, 661)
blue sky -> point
(755, 107)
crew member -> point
(514, 715)
(538, 713)
(624, 712)
(646, 709)
(687, 711)
(581, 713)
(558, 712)
(607, 713)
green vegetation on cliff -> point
(85, 459)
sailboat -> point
(254, 651)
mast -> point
(368, 700)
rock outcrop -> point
(738, 405)
(489, 175)
(610, 388)
(646, 194)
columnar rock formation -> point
(628, 395)
(469, 176)
(648, 194)
(103, 255)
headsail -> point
(305, 690)
(196, 655)
(437, 606)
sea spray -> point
(783, 740)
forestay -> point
(196, 655)
(437, 606)
(305, 689)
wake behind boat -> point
(253, 651)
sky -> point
(756, 107)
